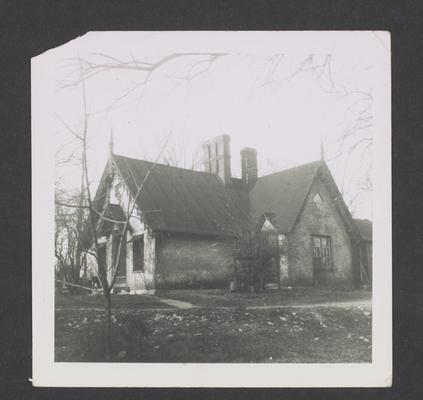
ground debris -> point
(177, 317)
(218, 335)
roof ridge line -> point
(321, 162)
(163, 165)
(291, 168)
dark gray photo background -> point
(29, 28)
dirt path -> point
(343, 304)
(183, 305)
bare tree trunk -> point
(79, 229)
(108, 326)
(102, 268)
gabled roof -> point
(182, 200)
(365, 228)
(187, 201)
(283, 194)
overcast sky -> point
(282, 93)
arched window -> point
(317, 199)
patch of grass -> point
(119, 301)
(316, 334)
(81, 337)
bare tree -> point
(98, 63)
(356, 140)
(177, 154)
(87, 69)
(69, 222)
(78, 246)
(71, 259)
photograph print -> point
(209, 199)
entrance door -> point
(269, 252)
(322, 258)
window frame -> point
(327, 266)
(318, 201)
(103, 254)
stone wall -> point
(185, 261)
(319, 218)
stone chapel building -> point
(185, 223)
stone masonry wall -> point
(319, 219)
(185, 261)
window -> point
(318, 200)
(322, 252)
(103, 255)
(216, 148)
(138, 254)
(121, 268)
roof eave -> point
(196, 232)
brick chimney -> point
(249, 165)
(217, 157)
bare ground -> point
(264, 329)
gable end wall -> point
(319, 220)
(137, 281)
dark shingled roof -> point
(283, 194)
(365, 228)
(182, 200)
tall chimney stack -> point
(217, 157)
(249, 165)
